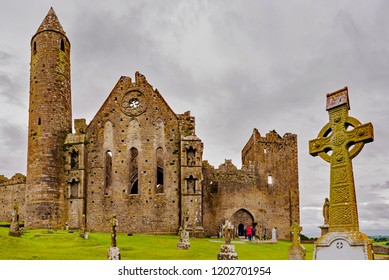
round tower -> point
(50, 120)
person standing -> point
(249, 232)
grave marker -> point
(343, 240)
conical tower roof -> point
(51, 22)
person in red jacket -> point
(249, 232)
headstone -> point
(184, 233)
(14, 227)
(296, 250)
(274, 234)
(227, 251)
(345, 136)
(113, 251)
(82, 228)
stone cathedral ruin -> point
(139, 160)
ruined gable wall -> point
(118, 131)
(12, 193)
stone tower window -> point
(73, 188)
(269, 179)
(160, 171)
(133, 187)
(191, 184)
(191, 156)
(62, 45)
(74, 159)
(108, 172)
(39, 121)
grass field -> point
(62, 245)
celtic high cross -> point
(339, 141)
(296, 229)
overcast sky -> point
(236, 65)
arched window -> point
(74, 159)
(191, 156)
(62, 45)
(73, 188)
(108, 171)
(133, 186)
(160, 169)
(191, 184)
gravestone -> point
(184, 233)
(274, 234)
(296, 250)
(227, 251)
(14, 227)
(113, 251)
(83, 232)
(345, 136)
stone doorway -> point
(241, 219)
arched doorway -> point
(241, 219)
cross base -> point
(343, 246)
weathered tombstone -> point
(184, 233)
(343, 240)
(14, 227)
(83, 234)
(113, 251)
(296, 250)
(227, 251)
(326, 216)
(274, 234)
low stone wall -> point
(381, 249)
(12, 194)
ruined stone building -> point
(139, 160)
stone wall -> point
(12, 194)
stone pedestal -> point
(183, 245)
(343, 246)
(14, 230)
(227, 252)
(113, 253)
(297, 252)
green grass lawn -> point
(62, 245)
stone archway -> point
(241, 219)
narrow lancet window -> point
(191, 184)
(74, 159)
(160, 171)
(133, 186)
(108, 172)
(62, 45)
(191, 156)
